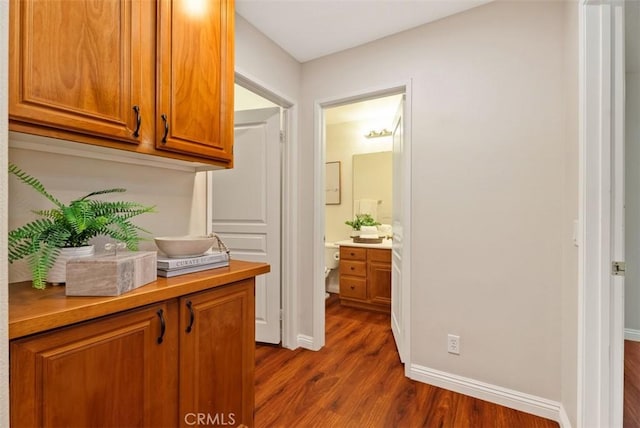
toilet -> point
(331, 262)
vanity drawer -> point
(379, 255)
(353, 253)
(353, 287)
(352, 267)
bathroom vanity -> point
(365, 275)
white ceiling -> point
(309, 29)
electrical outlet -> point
(453, 344)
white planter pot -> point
(58, 272)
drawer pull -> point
(353, 254)
(192, 316)
(163, 326)
(352, 268)
(136, 132)
(353, 287)
(166, 128)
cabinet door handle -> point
(163, 326)
(192, 316)
(166, 128)
(136, 132)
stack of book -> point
(168, 267)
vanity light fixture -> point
(375, 134)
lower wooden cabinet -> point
(365, 278)
(217, 353)
(168, 364)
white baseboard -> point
(495, 394)
(564, 418)
(306, 342)
(631, 334)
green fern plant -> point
(71, 225)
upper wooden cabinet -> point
(144, 76)
(76, 65)
(195, 77)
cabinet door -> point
(76, 65)
(105, 373)
(217, 351)
(195, 78)
(379, 278)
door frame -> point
(404, 87)
(288, 208)
(601, 297)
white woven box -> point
(109, 275)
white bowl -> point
(184, 246)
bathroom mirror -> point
(372, 184)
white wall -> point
(343, 140)
(569, 308)
(264, 62)
(489, 142)
(632, 172)
(178, 195)
(4, 115)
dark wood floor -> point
(357, 380)
(631, 384)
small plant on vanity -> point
(362, 220)
(42, 240)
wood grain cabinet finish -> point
(77, 65)
(170, 364)
(154, 77)
(195, 78)
(217, 352)
(365, 278)
(105, 373)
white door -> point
(397, 304)
(246, 209)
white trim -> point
(563, 418)
(305, 341)
(290, 283)
(495, 394)
(318, 305)
(318, 293)
(289, 211)
(600, 299)
(616, 329)
(631, 334)
(407, 226)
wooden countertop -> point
(33, 311)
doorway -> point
(358, 160)
(401, 213)
(252, 226)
